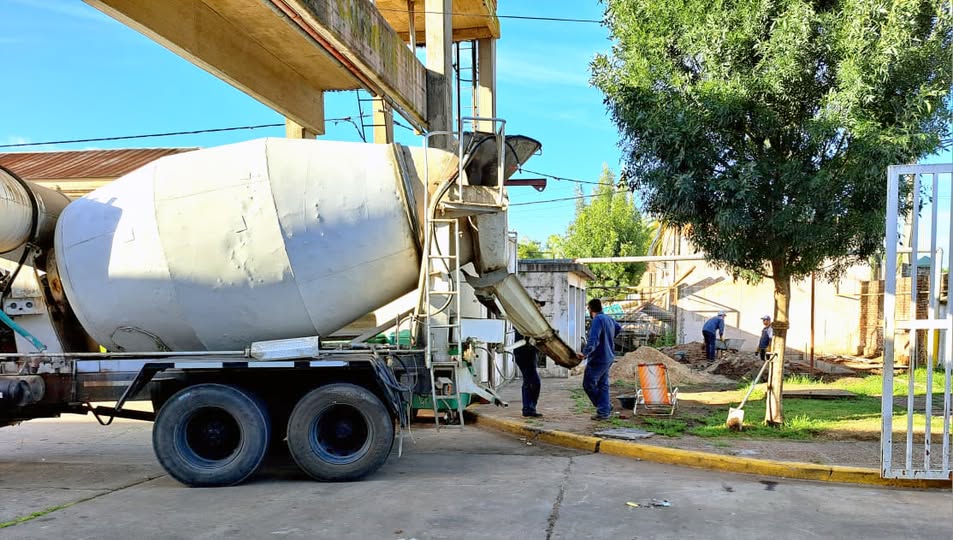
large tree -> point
(607, 225)
(764, 128)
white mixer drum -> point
(214, 249)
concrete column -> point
(294, 130)
(486, 82)
(383, 120)
(411, 27)
(439, 32)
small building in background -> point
(561, 284)
(77, 172)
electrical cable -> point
(496, 16)
(568, 198)
(563, 179)
(168, 134)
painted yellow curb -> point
(558, 438)
(704, 460)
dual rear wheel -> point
(218, 435)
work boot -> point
(599, 417)
(532, 414)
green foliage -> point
(608, 225)
(527, 248)
(764, 128)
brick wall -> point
(872, 315)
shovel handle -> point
(767, 360)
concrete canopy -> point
(472, 19)
(286, 53)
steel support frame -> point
(937, 327)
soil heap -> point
(626, 369)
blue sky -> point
(75, 73)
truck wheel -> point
(211, 435)
(340, 432)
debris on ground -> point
(661, 502)
(627, 434)
(633, 504)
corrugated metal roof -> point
(83, 163)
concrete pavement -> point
(451, 484)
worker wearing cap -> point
(712, 325)
(767, 333)
(599, 352)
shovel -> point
(736, 417)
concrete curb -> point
(704, 460)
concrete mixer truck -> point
(212, 282)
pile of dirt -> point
(626, 369)
(734, 365)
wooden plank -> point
(816, 393)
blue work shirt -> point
(600, 345)
(766, 334)
(716, 323)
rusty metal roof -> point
(83, 163)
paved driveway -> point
(451, 484)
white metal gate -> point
(918, 322)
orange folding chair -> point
(655, 395)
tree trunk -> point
(773, 413)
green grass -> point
(580, 402)
(872, 385)
(34, 515)
(858, 417)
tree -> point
(527, 248)
(609, 225)
(763, 129)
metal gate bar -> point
(937, 321)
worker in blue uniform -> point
(767, 334)
(599, 352)
(527, 359)
(712, 325)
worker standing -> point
(712, 325)
(526, 357)
(767, 334)
(599, 350)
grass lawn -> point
(850, 418)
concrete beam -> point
(439, 70)
(222, 41)
(294, 130)
(285, 53)
(486, 83)
(383, 119)
(363, 41)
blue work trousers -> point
(709, 344)
(531, 382)
(595, 382)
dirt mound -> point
(626, 368)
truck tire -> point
(340, 432)
(211, 435)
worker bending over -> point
(712, 325)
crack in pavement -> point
(554, 514)
(47, 511)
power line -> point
(142, 136)
(562, 179)
(516, 17)
(577, 197)
(169, 134)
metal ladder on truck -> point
(445, 366)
